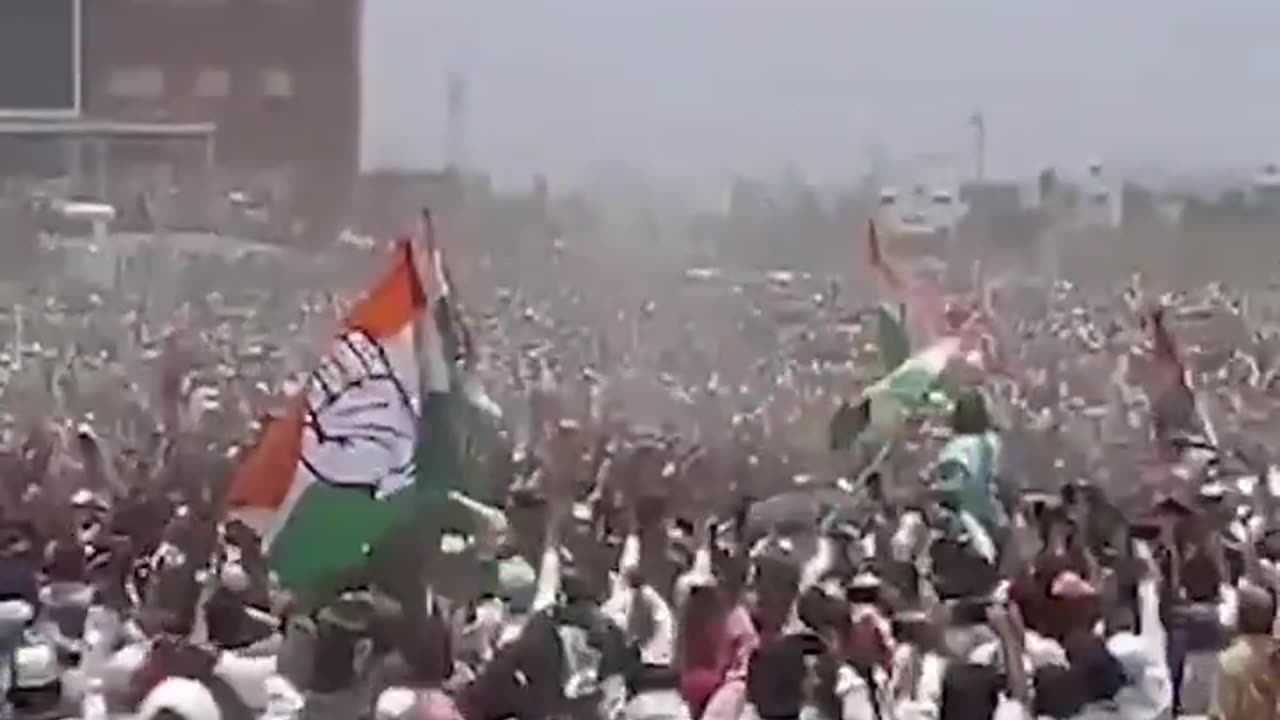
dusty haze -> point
(703, 87)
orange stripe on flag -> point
(393, 302)
(925, 305)
(263, 479)
(268, 471)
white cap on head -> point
(233, 577)
(394, 703)
(16, 612)
(181, 696)
(36, 666)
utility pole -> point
(979, 124)
(456, 121)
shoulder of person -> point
(1045, 651)
(848, 680)
(1237, 657)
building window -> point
(136, 82)
(277, 83)
(212, 82)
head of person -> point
(776, 678)
(961, 571)
(341, 647)
(524, 678)
(701, 620)
(1058, 692)
(1257, 610)
(970, 416)
(226, 620)
(824, 615)
(773, 591)
(1074, 605)
(427, 647)
(1097, 672)
(578, 591)
(969, 692)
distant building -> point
(986, 198)
(1101, 206)
(1266, 187)
(919, 224)
(40, 58)
(388, 202)
(1141, 205)
(280, 79)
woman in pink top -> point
(717, 638)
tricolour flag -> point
(343, 467)
(892, 337)
(923, 306)
(1178, 419)
(913, 386)
(925, 313)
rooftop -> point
(87, 127)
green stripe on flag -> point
(895, 345)
(438, 457)
(315, 547)
(912, 387)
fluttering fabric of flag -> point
(1177, 418)
(376, 437)
(912, 387)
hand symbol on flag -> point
(360, 419)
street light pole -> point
(979, 124)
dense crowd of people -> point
(1074, 535)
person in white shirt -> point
(1149, 692)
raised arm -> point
(1151, 628)
(548, 586)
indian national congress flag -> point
(341, 468)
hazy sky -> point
(709, 87)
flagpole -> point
(424, 267)
(979, 123)
(19, 332)
(396, 547)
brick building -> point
(279, 78)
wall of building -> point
(281, 78)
